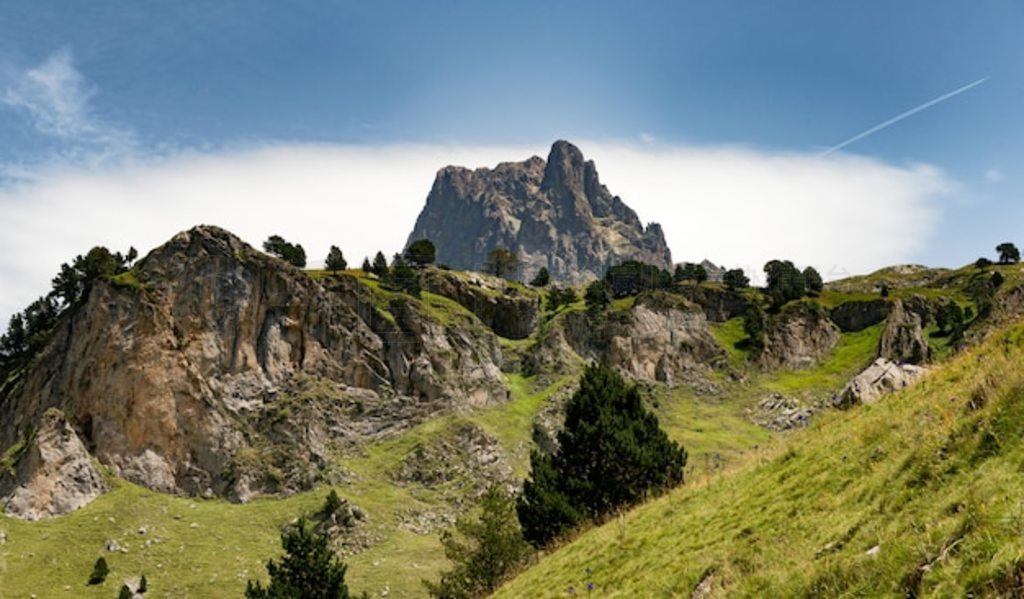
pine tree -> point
(143, 585)
(126, 593)
(380, 265)
(421, 252)
(335, 260)
(611, 453)
(366, 267)
(542, 278)
(485, 552)
(309, 569)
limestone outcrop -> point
(53, 473)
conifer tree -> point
(610, 453)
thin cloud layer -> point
(735, 206)
(56, 99)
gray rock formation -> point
(903, 338)
(216, 362)
(881, 378)
(509, 310)
(718, 304)
(855, 316)
(798, 337)
(661, 338)
(554, 214)
(53, 473)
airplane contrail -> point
(904, 115)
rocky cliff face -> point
(510, 310)
(53, 473)
(797, 337)
(660, 338)
(553, 214)
(212, 362)
(903, 338)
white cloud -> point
(994, 175)
(735, 206)
(56, 98)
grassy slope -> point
(931, 476)
(232, 542)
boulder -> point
(903, 338)
(53, 473)
(880, 378)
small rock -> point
(194, 525)
(142, 530)
(3, 538)
(873, 551)
(113, 545)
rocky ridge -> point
(213, 365)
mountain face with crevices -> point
(214, 369)
(554, 214)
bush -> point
(421, 252)
(308, 569)
(982, 263)
(491, 549)
(610, 454)
(99, 571)
(291, 253)
(126, 593)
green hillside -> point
(916, 495)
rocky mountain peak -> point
(565, 168)
(554, 214)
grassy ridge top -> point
(916, 495)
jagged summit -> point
(553, 213)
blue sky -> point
(122, 86)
